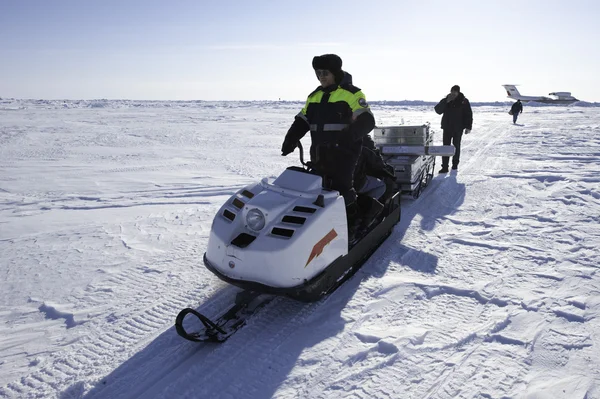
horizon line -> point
(375, 102)
(200, 100)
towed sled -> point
(284, 238)
(410, 151)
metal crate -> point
(413, 178)
(407, 168)
(402, 135)
(413, 172)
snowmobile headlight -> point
(255, 219)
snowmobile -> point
(288, 238)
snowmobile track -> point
(282, 316)
(118, 337)
(153, 372)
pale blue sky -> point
(262, 50)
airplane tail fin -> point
(512, 92)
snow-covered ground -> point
(489, 286)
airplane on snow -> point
(558, 97)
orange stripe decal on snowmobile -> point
(320, 246)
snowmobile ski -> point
(247, 304)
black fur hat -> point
(455, 88)
(330, 62)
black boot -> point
(353, 217)
(371, 208)
(444, 169)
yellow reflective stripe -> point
(314, 98)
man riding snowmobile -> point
(287, 237)
(338, 117)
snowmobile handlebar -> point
(301, 150)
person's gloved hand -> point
(288, 147)
(467, 131)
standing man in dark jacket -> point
(457, 117)
(338, 117)
(515, 110)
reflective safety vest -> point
(332, 109)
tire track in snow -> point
(338, 366)
(163, 372)
(282, 318)
(86, 359)
(117, 336)
(167, 350)
(439, 203)
(156, 376)
(398, 352)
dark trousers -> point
(452, 137)
(337, 165)
(515, 116)
(344, 186)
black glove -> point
(288, 147)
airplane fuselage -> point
(544, 100)
(562, 97)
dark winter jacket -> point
(338, 117)
(457, 113)
(516, 108)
